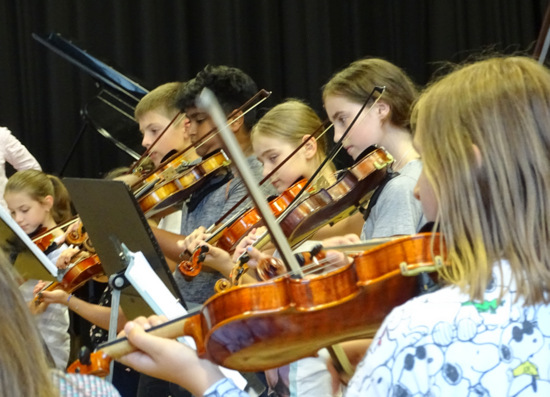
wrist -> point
(74, 300)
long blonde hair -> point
(23, 366)
(38, 185)
(484, 131)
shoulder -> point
(5, 132)
(408, 175)
(82, 385)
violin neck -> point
(171, 330)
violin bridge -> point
(169, 174)
(409, 270)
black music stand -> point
(111, 216)
(118, 95)
(26, 257)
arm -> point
(18, 155)
(168, 243)
(96, 314)
(169, 360)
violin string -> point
(215, 131)
(147, 152)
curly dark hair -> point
(231, 86)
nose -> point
(18, 218)
(146, 141)
(337, 134)
(265, 170)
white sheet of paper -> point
(148, 284)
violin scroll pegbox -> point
(191, 268)
(235, 276)
(88, 363)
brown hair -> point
(38, 185)
(162, 99)
(358, 80)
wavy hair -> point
(484, 133)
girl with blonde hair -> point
(484, 136)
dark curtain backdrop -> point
(290, 47)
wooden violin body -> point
(76, 276)
(180, 187)
(233, 234)
(352, 190)
(255, 327)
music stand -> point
(26, 257)
(111, 216)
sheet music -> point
(140, 274)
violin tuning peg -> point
(244, 258)
(316, 250)
(84, 356)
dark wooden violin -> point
(79, 272)
(255, 327)
(233, 234)
(45, 238)
(351, 191)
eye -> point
(342, 120)
(273, 158)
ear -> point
(477, 155)
(382, 109)
(47, 202)
(310, 148)
(237, 121)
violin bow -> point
(217, 228)
(329, 157)
(245, 108)
(145, 154)
(208, 101)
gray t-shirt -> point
(396, 211)
(205, 211)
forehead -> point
(194, 112)
(263, 144)
(151, 117)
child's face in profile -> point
(152, 124)
(27, 212)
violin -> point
(234, 233)
(350, 192)
(182, 186)
(77, 275)
(45, 238)
(167, 176)
(255, 327)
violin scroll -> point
(192, 267)
(88, 363)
